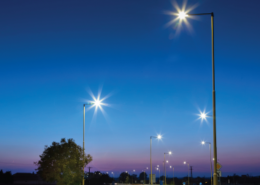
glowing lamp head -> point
(182, 15)
(159, 137)
(203, 142)
(184, 162)
(170, 166)
(203, 115)
(167, 161)
(170, 152)
(97, 103)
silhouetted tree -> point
(1, 176)
(6, 178)
(127, 180)
(97, 178)
(62, 162)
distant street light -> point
(132, 176)
(97, 102)
(145, 172)
(158, 137)
(203, 143)
(188, 171)
(165, 165)
(159, 173)
(113, 175)
(172, 174)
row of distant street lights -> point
(181, 16)
(202, 116)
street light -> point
(182, 16)
(158, 137)
(145, 172)
(159, 172)
(188, 171)
(203, 143)
(203, 116)
(165, 165)
(97, 102)
(132, 176)
(172, 174)
(113, 175)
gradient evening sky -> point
(156, 80)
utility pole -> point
(191, 174)
(89, 174)
(89, 169)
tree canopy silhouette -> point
(62, 162)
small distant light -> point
(203, 142)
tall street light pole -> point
(203, 143)
(158, 137)
(183, 15)
(90, 103)
(188, 171)
(96, 103)
(165, 165)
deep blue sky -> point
(52, 52)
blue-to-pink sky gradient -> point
(156, 79)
